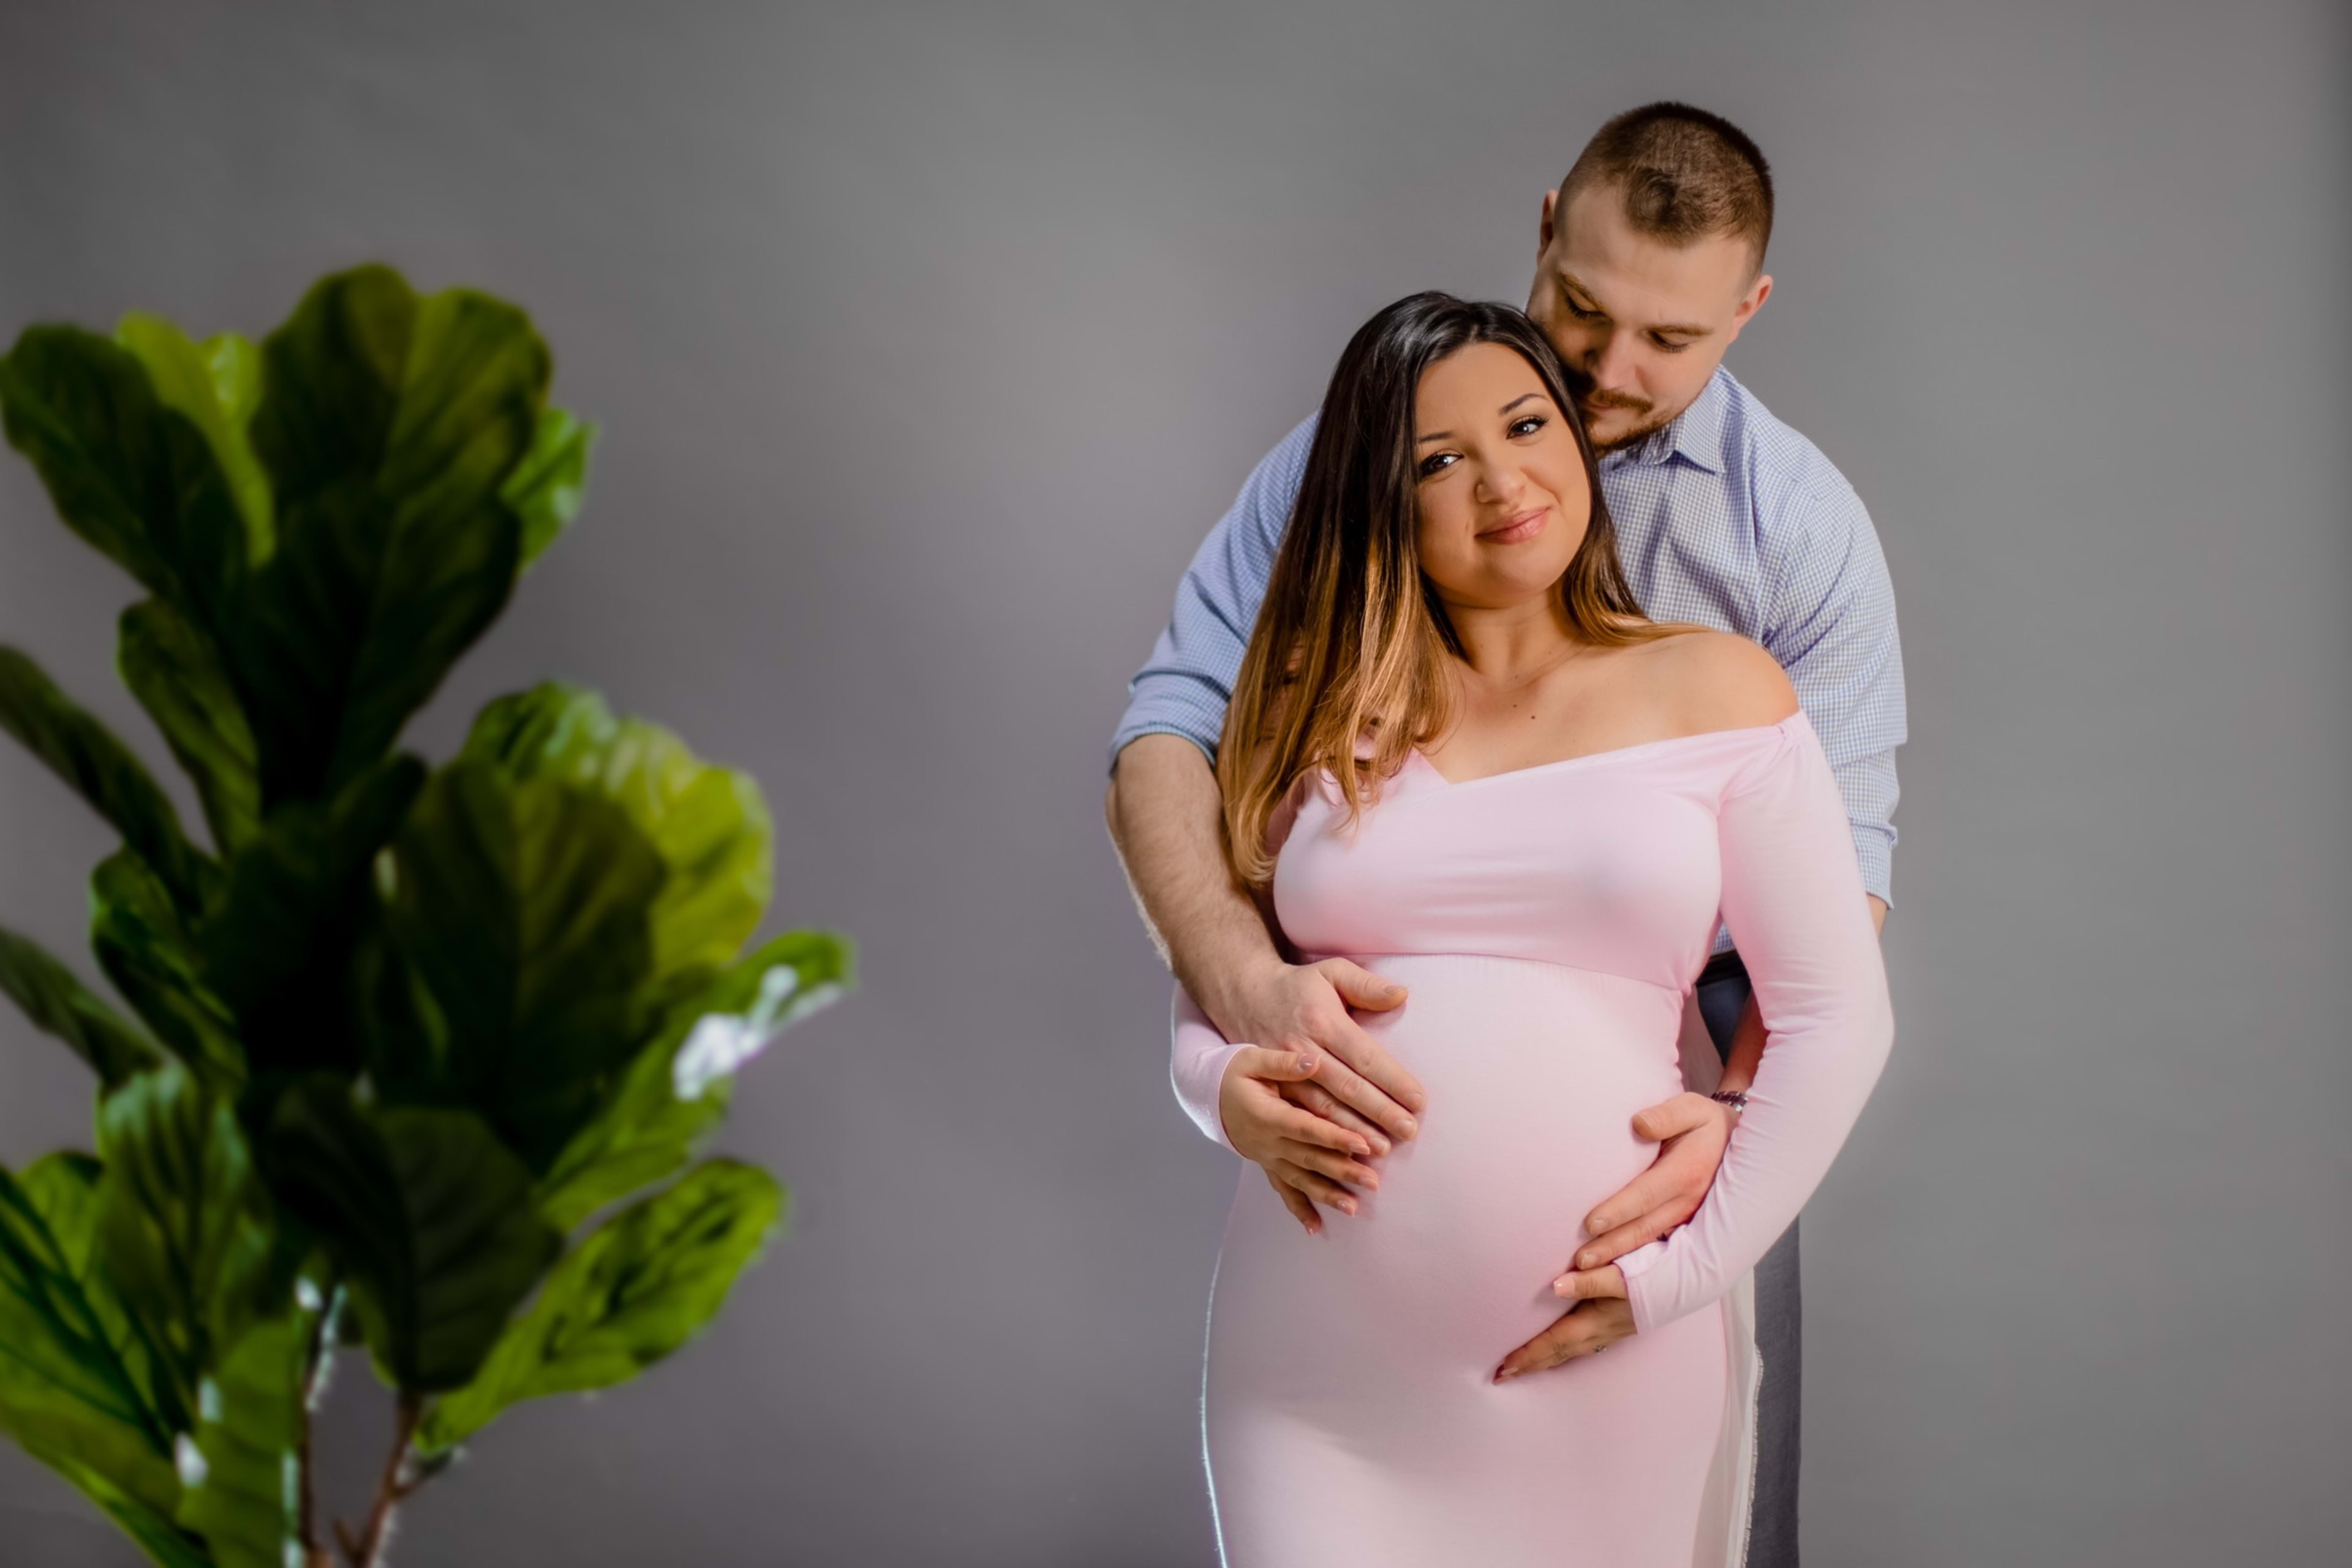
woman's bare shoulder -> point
(1720, 680)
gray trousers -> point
(1780, 1325)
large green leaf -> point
(277, 950)
(65, 1189)
(642, 1284)
(176, 674)
(185, 1230)
(133, 476)
(403, 1038)
(149, 954)
(103, 771)
(677, 1088)
(75, 1389)
(544, 491)
(152, 1531)
(646, 1134)
(90, 1448)
(710, 823)
(388, 425)
(217, 384)
(58, 1004)
(428, 1215)
(241, 1466)
(520, 907)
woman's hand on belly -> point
(1600, 1317)
(1692, 1131)
(1306, 1157)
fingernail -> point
(1563, 1284)
(1504, 1374)
(1347, 1206)
(1409, 1127)
(1587, 1259)
(1306, 1064)
(1371, 1181)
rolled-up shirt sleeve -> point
(1183, 688)
(1791, 896)
(1831, 625)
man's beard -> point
(1645, 427)
(1647, 421)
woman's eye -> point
(1528, 426)
(1433, 462)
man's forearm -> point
(1748, 1040)
(1167, 822)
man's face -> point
(1641, 324)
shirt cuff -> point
(1876, 858)
(1136, 732)
(1161, 700)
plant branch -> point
(313, 1555)
(368, 1550)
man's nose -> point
(1610, 364)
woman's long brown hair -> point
(1352, 638)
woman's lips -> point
(1516, 526)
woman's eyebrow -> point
(1448, 435)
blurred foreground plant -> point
(401, 1031)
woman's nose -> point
(1501, 483)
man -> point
(1650, 263)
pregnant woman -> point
(1459, 754)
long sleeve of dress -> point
(1792, 895)
(1197, 1054)
(1197, 1058)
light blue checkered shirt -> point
(1726, 517)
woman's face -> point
(1503, 503)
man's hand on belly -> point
(1692, 1133)
(1300, 1006)
(1356, 1099)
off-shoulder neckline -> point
(1611, 753)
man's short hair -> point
(1685, 174)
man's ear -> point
(1543, 233)
(1749, 303)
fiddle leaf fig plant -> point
(419, 1059)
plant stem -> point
(307, 1522)
(368, 1550)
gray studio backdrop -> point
(926, 343)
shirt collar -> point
(1695, 434)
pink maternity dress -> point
(1549, 922)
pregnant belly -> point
(1534, 1073)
